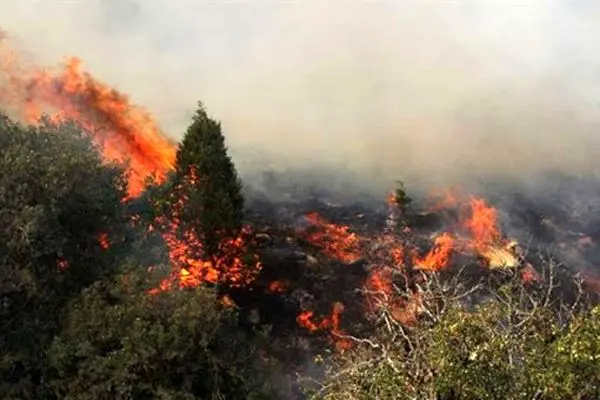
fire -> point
(391, 199)
(529, 274)
(332, 323)
(190, 267)
(277, 287)
(482, 224)
(127, 134)
(62, 264)
(335, 241)
(378, 288)
(439, 256)
(191, 270)
(103, 241)
(124, 131)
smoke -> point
(425, 91)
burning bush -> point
(495, 338)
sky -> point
(418, 90)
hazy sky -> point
(404, 88)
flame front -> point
(335, 241)
(127, 134)
(123, 131)
(439, 256)
(332, 324)
(482, 223)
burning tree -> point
(214, 208)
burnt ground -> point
(562, 221)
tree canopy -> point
(215, 204)
(58, 201)
(80, 316)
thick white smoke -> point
(415, 89)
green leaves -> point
(207, 177)
(56, 196)
(517, 344)
(121, 343)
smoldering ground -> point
(433, 93)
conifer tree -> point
(214, 209)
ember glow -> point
(331, 324)
(103, 241)
(335, 241)
(189, 266)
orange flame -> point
(482, 223)
(190, 267)
(335, 241)
(277, 287)
(379, 288)
(124, 132)
(331, 323)
(529, 274)
(439, 256)
(391, 199)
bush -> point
(57, 197)
(119, 342)
(498, 339)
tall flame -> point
(439, 256)
(482, 223)
(124, 131)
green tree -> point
(401, 198)
(207, 177)
(57, 197)
(119, 342)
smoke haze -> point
(425, 91)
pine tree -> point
(214, 208)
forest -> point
(187, 287)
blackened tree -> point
(204, 170)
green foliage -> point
(401, 197)
(121, 343)
(515, 345)
(215, 206)
(56, 197)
